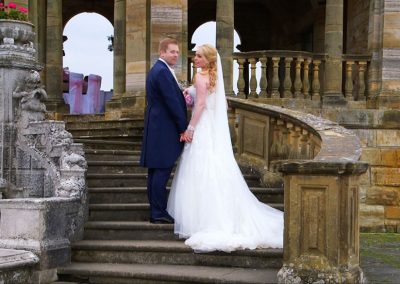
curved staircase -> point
(120, 245)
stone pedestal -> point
(17, 266)
(39, 225)
(321, 240)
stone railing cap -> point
(340, 148)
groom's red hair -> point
(165, 42)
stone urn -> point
(17, 59)
(16, 33)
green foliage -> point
(11, 12)
(17, 15)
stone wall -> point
(379, 133)
(380, 191)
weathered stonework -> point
(17, 266)
(43, 205)
(321, 181)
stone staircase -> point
(120, 245)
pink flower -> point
(23, 10)
(12, 5)
(1, 5)
(189, 100)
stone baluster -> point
(283, 134)
(253, 79)
(316, 96)
(317, 145)
(287, 82)
(275, 78)
(297, 80)
(306, 80)
(286, 143)
(362, 65)
(274, 150)
(263, 80)
(241, 82)
(294, 149)
(304, 145)
(348, 87)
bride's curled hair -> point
(210, 53)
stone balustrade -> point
(295, 74)
(319, 163)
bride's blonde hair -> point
(210, 54)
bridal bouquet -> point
(189, 94)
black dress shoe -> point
(162, 220)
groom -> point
(164, 125)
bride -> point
(210, 201)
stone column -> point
(225, 29)
(147, 23)
(37, 16)
(375, 31)
(137, 17)
(54, 63)
(333, 48)
(385, 47)
(113, 107)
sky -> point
(86, 50)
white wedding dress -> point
(210, 201)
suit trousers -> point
(157, 192)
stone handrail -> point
(320, 167)
(299, 136)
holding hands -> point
(187, 136)
(189, 94)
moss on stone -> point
(384, 247)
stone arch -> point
(72, 8)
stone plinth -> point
(321, 238)
(39, 225)
(16, 266)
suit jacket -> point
(165, 119)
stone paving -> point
(380, 257)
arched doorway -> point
(206, 33)
(88, 63)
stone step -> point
(107, 134)
(105, 125)
(109, 144)
(139, 179)
(117, 195)
(116, 180)
(99, 195)
(129, 211)
(106, 273)
(119, 212)
(115, 167)
(127, 230)
(83, 117)
(112, 155)
(170, 252)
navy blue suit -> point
(165, 120)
